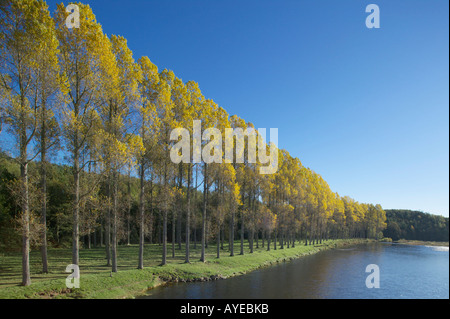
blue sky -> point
(365, 108)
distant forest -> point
(415, 225)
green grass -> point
(96, 280)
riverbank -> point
(422, 243)
(100, 283)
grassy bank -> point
(422, 243)
(97, 281)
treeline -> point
(80, 94)
(415, 225)
(59, 204)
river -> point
(405, 271)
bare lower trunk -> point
(141, 219)
(128, 229)
(252, 233)
(129, 208)
(232, 234)
(205, 189)
(188, 213)
(108, 238)
(242, 234)
(195, 237)
(179, 229)
(222, 236)
(293, 241)
(43, 148)
(262, 238)
(76, 214)
(206, 226)
(26, 279)
(114, 222)
(108, 223)
(44, 212)
(282, 240)
(164, 239)
(218, 243)
(179, 207)
(173, 233)
(101, 233)
(275, 241)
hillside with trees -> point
(415, 225)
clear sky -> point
(365, 108)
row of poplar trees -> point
(81, 92)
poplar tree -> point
(147, 123)
(85, 60)
(195, 100)
(165, 111)
(28, 79)
(236, 123)
(122, 94)
(50, 90)
(209, 109)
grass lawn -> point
(96, 280)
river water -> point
(405, 271)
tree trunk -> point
(281, 240)
(128, 229)
(188, 213)
(129, 207)
(293, 241)
(275, 240)
(242, 233)
(252, 234)
(76, 213)
(108, 231)
(173, 233)
(164, 239)
(205, 189)
(222, 236)
(108, 224)
(141, 217)
(232, 234)
(102, 232)
(206, 226)
(195, 237)
(218, 242)
(114, 230)
(179, 207)
(179, 228)
(44, 205)
(262, 238)
(26, 279)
